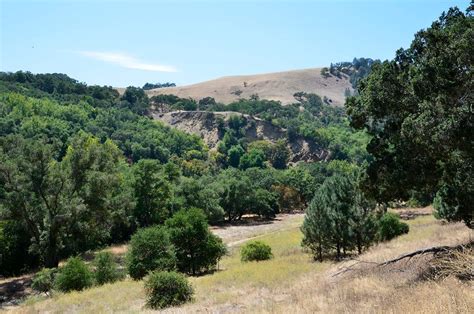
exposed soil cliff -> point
(206, 125)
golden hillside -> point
(273, 86)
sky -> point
(128, 43)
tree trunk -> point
(320, 252)
(51, 259)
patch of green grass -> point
(119, 296)
(421, 227)
(289, 264)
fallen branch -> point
(434, 250)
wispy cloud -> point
(127, 61)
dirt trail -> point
(234, 235)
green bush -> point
(75, 275)
(255, 251)
(105, 268)
(43, 281)
(150, 249)
(197, 249)
(390, 227)
(164, 289)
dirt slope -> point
(273, 86)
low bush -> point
(75, 275)
(105, 269)
(43, 281)
(150, 249)
(164, 289)
(255, 251)
(390, 227)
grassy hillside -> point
(293, 281)
(272, 86)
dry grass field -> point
(272, 86)
(293, 283)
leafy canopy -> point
(418, 110)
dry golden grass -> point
(293, 283)
(272, 86)
(458, 263)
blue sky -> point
(122, 43)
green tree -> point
(234, 155)
(152, 192)
(195, 244)
(280, 155)
(150, 249)
(235, 191)
(66, 204)
(135, 99)
(254, 158)
(317, 227)
(263, 203)
(418, 110)
(201, 194)
(363, 222)
(338, 218)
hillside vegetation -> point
(291, 280)
(84, 169)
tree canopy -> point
(418, 109)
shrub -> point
(197, 249)
(150, 249)
(390, 227)
(105, 268)
(164, 289)
(43, 281)
(75, 275)
(255, 251)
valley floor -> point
(293, 283)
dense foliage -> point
(390, 226)
(165, 289)
(418, 110)
(255, 251)
(105, 268)
(83, 166)
(66, 184)
(150, 249)
(339, 219)
(69, 203)
(197, 249)
(74, 275)
(355, 70)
